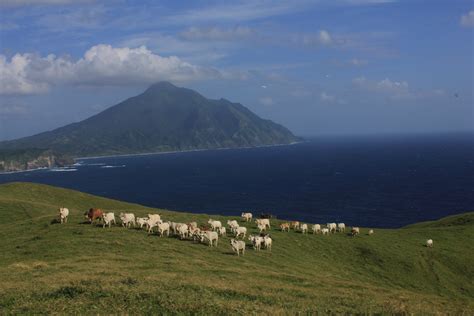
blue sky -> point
(317, 67)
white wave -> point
(107, 166)
(63, 169)
(94, 164)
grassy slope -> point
(76, 267)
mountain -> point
(163, 118)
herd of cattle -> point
(210, 234)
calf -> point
(240, 231)
(162, 228)
(142, 221)
(304, 228)
(316, 228)
(63, 214)
(332, 227)
(210, 237)
(267, 241)
(128, 219)
(214, 224)
(325, 231)
(155, 217)
(238, 246)
(341, 227)
(108, 219)
(222, 231)
(256, 242)
(429, 243)
(295, 225)
(355, 231)
(247, 216)
(285, 227)
(262, 227)
(263, 221)
(183, 231)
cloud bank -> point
(100, 65)
(467, 19)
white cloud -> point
(101, 65)
(326, 97)
(217, 33)
(19, 3)
(267, 101)
(396, 88)
(322, 38)
(358, 62)
(12, 110)
(467, 19)
(389, 85)
(238, 12)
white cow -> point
(63, 214)
(325, 231)
(263, 221)
(127, 219)
(316, 228)
(222, 231)
(108, 219)
(304, 228)
(267, 241)
(164, 227)
(151, 223)
(341, 227)
(371, 232)
(332, 227)
(262, 227)
(183, 231)
(247, 216)
(256, 242)
(214, 224)
(429, 243)
(240, 231)
(355, 231)
(142, 221)
(238, 246)
(155, 217)
(173, 226)
(210, 237)
(232, 225)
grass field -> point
(81, 268)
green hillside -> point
(81, 268)
(163, 118)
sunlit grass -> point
(82, 268)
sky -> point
(327, 67)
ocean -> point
(376, 181)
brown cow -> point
(93, 214)
(285, 226)
(295, 225)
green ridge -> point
(81, 268)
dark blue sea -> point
(384, 181)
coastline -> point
(149, 154)
(184, 151)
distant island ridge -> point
(164, 118)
